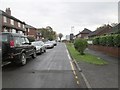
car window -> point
(23, 40)
(35, 44)
(17, 41)
(42, 43)
(4, 38)
(26, 40)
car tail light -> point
(11, 43)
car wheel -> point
(44, 50)
(23, 59)
(34, 54)
(40, 51)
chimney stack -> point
(8, 11)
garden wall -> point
(112, 51)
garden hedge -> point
(108, 40)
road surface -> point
(52, 69)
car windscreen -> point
(35, 44)
(4, 38)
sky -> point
(64, 16)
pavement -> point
(52, 69)
(105, 76)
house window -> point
(23, 26)
(21, 32)
(13, 31)
(5, 30)
(19, 25)
(28, 30)
(12, 22)
(5, 19)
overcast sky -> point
(61, 15)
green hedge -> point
(108, 40)
(102, 40)
(96, 41)
(116, 40)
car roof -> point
(14, 34)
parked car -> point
(43, 47)
(40, 47)
(49, 44)
(54, 42)
(16, 48)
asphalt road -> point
(49, 70)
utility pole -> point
(72, 29)
(71, 34)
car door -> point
(30, 47)
(25, 45)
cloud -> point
(62, 15)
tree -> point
(47, 33)
(60, 35)
(80, 45)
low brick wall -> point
(112, 51)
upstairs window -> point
(12, 22)
(5, 19)
(23, 26)
(19, 25)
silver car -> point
(49, 44)
(40, 47)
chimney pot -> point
(8, 11)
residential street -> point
(49, 70)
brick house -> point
(115, 29)
(31, 31)
(84, 34)
(101, 31)
(10, 23)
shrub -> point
(31, 39)
(96, 40)
(109, 40)
(116, 40)
(102, 40)
(80, 45)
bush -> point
(96, 40)
(102, 40)
(31, 39)
(109, 40)
(80, 45)
(116, 40)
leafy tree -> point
(80, 45)
(60, 35)
(31, 39)
(47, 33)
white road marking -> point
(87, 83)
(68, 53)
(72, 66)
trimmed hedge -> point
(96, 41)
(108, 40)
(102, 40)
(116, 40)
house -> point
(103, 30)
(31, 31)
(10, 23)
(84, 34)
(115, 29)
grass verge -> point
(89, 58)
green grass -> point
(89, 58)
